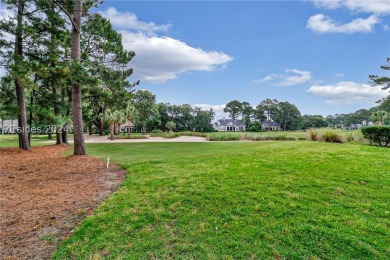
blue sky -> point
(316, 54)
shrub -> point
(324, 135)
(255, 127)
(188, 133)
(354, 137)
(225, 137)
(350, 137)
(165, 135)
(331, 136)
(358, 136)
(377, 135)
(312, 134)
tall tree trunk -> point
(112, 126)
(58, 137)
(49, 135)
(90, 128)
(56, 113)
(52, 64)
(129, 127)
(22, 118)
(64, 134)
(78, 134)
(101, 128)
(31, 113)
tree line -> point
(146, 116)
(67, 66)
(64, 66)
(289, 117)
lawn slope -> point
(241, 200)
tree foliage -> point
(234, 109)
(288, 116)
(145, 104)
(377, 135)
(382, 80)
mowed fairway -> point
(242, 200)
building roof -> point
(267, 123)
(229, 122)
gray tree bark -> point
(22, 118)
(78, 134)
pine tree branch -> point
(67, 14)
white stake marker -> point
(108, 162)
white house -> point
(124, 128)
(226, 125)
(270, 126)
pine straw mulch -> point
(44, 195)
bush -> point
(350, 137)
(312, 134)
(324, 135)
(331, 136)
(354, 137)
(225, 137)
(255, 127)
(377, 135)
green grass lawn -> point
(293, 200)
(11, 140)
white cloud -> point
(265, 79)
(324, 24)
(291, 77)
(348, 92)
(366, 6)
(160, 58)
(130, 21)
(339, 75)
(218, 110)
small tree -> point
(130, 113)
(247, 113)
(145, 104)
(171, 125)
(234, 109)
(379, 117)
(112, 117)
(270, 108)
(377, 135)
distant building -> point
(226, 125)
(8, 126)
(270, 126)
(124, 128)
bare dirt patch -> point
(43, 195)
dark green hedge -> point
(377, 135)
